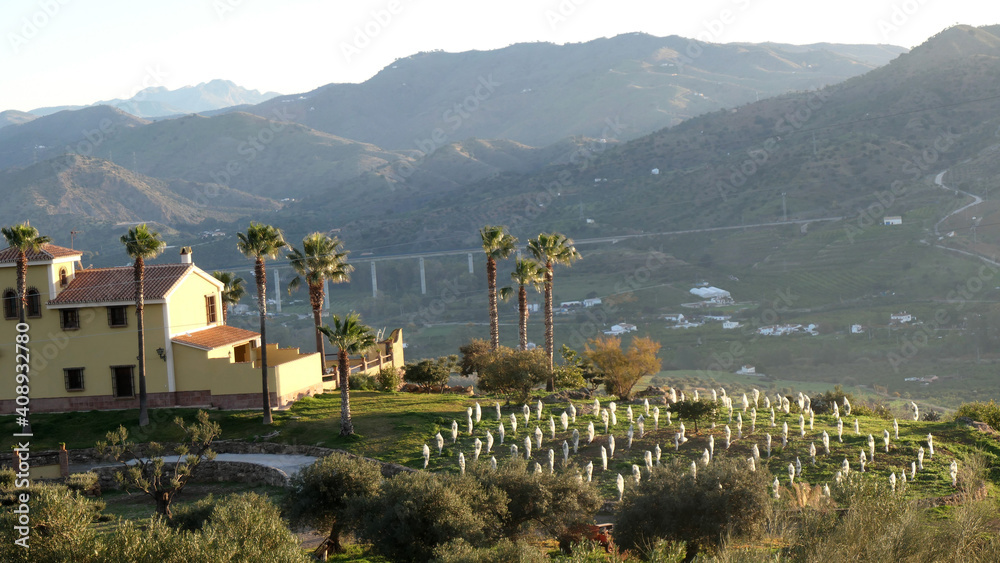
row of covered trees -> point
(546, 250)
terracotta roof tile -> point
(46, 253)
(216, 337)
(100, 285)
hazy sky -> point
(60, 52)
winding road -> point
(976, 200)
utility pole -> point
(784, 208)
(815, 151)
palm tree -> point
(232, 291)
(551, 249)
(320, 259)
(351, 338)
(23, 237)
(260, 242)
(526, 272)
(498, 244)
(142, 244)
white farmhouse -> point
(901, 318)
(729, 325)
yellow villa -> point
(83, 340)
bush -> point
(388, 379)
(431, 373)
(414, 513)
(726, 498)
(361, 382)
(192, 517)
(505, 551)
(475, 354)
(248, 527)
(553, 503)
(240, 527)
(7, 478)
(514, 373)
(320, 492)
(823, 402)
(981, 411)
(60, 526)
(931, 416)
(84, 483)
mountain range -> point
(426, 127)
(159, 102)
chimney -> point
(186, 254)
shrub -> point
(931, 416)
(981, 411)
(725, 498)
(248, 527)
(84, 482)
(361, 382)
(320, 492)
(388, 379)
(414, 513)
(431, 373)
(553, 503)
(60, 526)
(240, 527)
(475, 354)
(513, 373)
(505, 551)
(823, 402)
(7, 478)
(193, 516)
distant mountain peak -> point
(158, 101)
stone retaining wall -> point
(211, 471)
(87, 456)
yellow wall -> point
(303, 372)
(288, 371)
(95, 346)
(187, 305)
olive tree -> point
(725, 498)
(145, 468)
(414, 513)
(320, 493)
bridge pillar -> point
(374, 281)
(423, 278)
(471, 271)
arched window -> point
(63, 277)
(34, 303)
(10, 304)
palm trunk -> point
(316, 300)
(261, 274)
(225, 312)
(140, 278)
(522, 306)
(491, 276)
(549, 340)
(343, 366)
